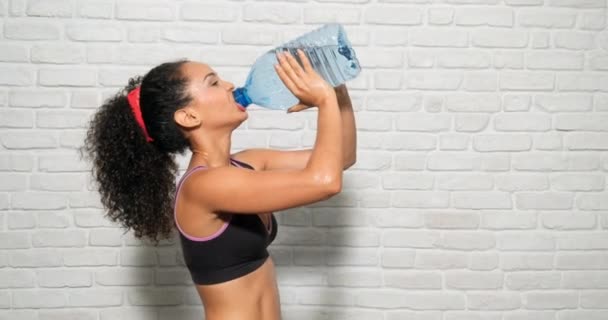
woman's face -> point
(212, 100)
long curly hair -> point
(136, 178)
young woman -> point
(223, 205)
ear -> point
(187, 117)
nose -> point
(230, 85)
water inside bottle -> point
(335, 63)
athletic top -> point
(236, 249)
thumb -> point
(296, 108)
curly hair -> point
(136, 178)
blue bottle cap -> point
(241, 97)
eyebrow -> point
(209, 75)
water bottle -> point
(330, 54)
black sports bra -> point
(236, 249)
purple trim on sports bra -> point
(211, 237)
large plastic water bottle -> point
(329, 52)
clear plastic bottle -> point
(329, 52)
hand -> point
(310, 88)
(341, 94)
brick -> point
(515, 240)
(568, 221)
(325, 297)
(493, 301)
(418, 280)
(474, 280)
(501, 142)
(582, 82)
(480, 81)
(440, 16)
(95, 297)
(38, 200)
(546, 161)
(271, 13)
(193, 11)
(585, 279)
(392, 15)
(17, 76)
(17, 279)
(586, 141)
(499, 38)
(564, 102)
(530, 81)
(147, 11)
(13, 53)
(578, 3)
(250, 36)
(588, 241)
(554, 61)
(71, 278)
(29, 30)
(438, 37)
(94, 257)
(124, 277)
(485, 200)
(35, 258)
(62, 119)
(39, 299)
(433, 80)
(154, 297)
(39, 98)
(94, 9)
(547, 18)
(394, 102)
(16, 118)
(573, 40)
(49, 8)
(472, 102)
(57, 54)
(354, 277)
(423, 122)
(550, 300)
(532, 280)
(497, 17)
(68, 314)
(444, 260)
(69, 76)
(331, 14)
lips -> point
(240, 107)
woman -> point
(223, 205)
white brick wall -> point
(479, 191)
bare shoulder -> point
(272, 159)
(254, 157)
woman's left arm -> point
(271, 159)
(349, 128)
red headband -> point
(133, 98)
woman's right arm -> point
(237, 190)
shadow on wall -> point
(316, 250)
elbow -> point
(350, 163)
(329, 184)
(334, 186)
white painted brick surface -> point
(479, 192)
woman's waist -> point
(252, 296)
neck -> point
(211, 151)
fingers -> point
(284, 77)
(294, 63)
(305, 61)
(297, 108)
(287, 62)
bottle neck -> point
(241, 97)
